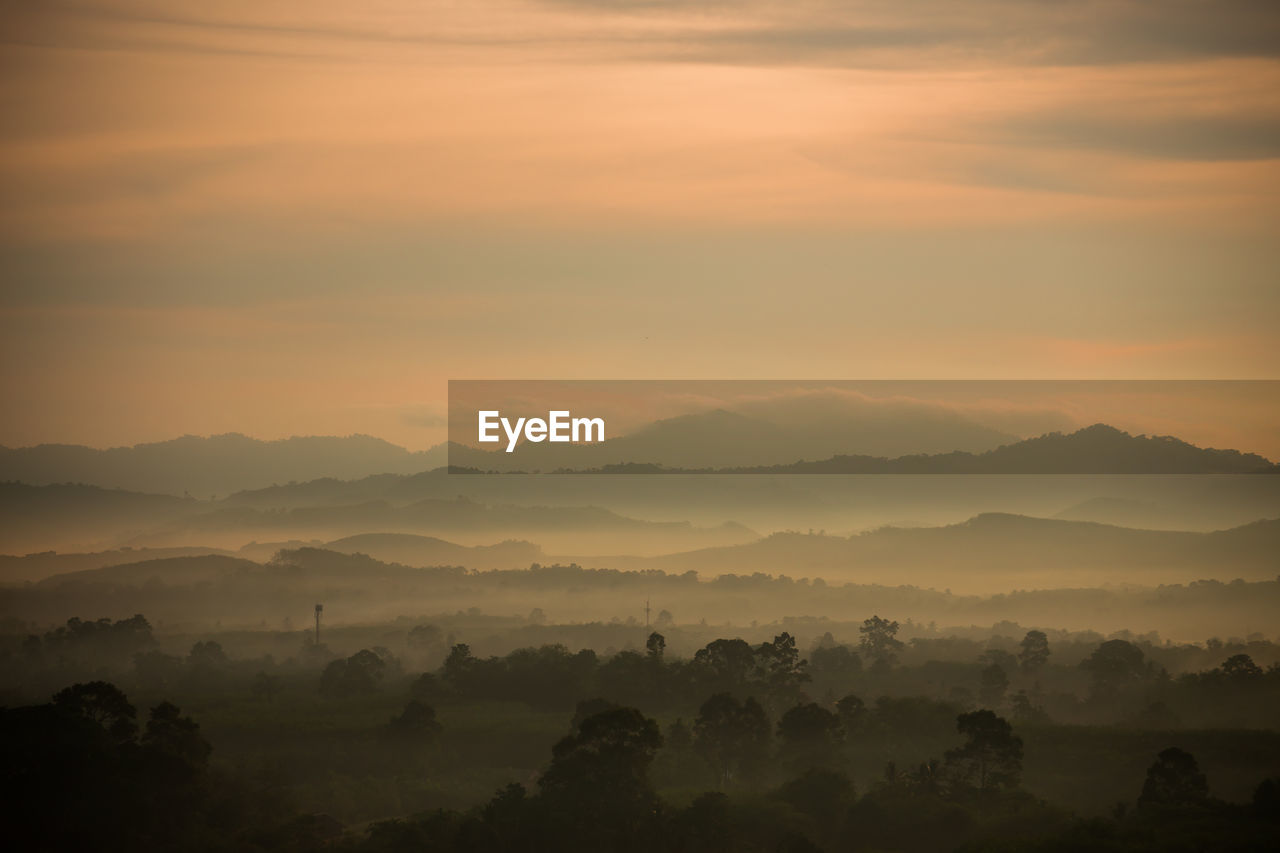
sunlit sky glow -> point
(303, 218)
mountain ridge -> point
(1096, 449)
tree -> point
(732, 736)
(358, 675)
(1266, 800)
(171, 734)
(853, 714)
(991, 757)
(780, 667)
(103, 703)
(1114, 665)
(424, 636)
(879, 640)
(609, 752)
(994, 684)
(597, 788)
(809, 734)
(1241, 667)
(458, 666)
(1025, 711)
(823, 794)
(655, 646)
(1000, 658)
(417, 722)
(927, 777)
(1174, 781)
(1033, 652)
(834, 663)
(728, 662)
(207, 657)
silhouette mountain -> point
(78, 517)
(34, 567)
(172, 571)
(218, 464)
(993, 543)
(759, 581)
(1097, 449)
(721, 438)
(412, 550)
(403, 548)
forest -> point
(396, 736)
(437, 661)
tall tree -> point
(597, 789)
(879, 640)
(725, 664)
(1033, 651)
(1174, 781)
(103, 703)
(732, 736)
(1114, 665)
(656, 646)
(809, 736)
(780, 667)
(991, 756)
(171, 734)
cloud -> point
(1057, 32)
(1225, 137)
(836, 33)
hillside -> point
(219, 590)
(214, 465)
(1098, 449)
(996, 550)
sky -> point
(304, 217)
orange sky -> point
(298, 217)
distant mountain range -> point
(994, 550)
(717, 441)
(721, 439)
(217, 465)
(990, 553)
(402, 548)
(38, 518)
(222, 464)
(1098, 449)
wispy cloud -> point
(371, 197)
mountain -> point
(35, 567)
(166, 571)
(36, 518)
(222, 464)
(721, 438)
(1098, 449)
(69, 517)
(193, 594)
(218, 464)
(729, 442)
(406, 549)
(412, 550)
(991, 551)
